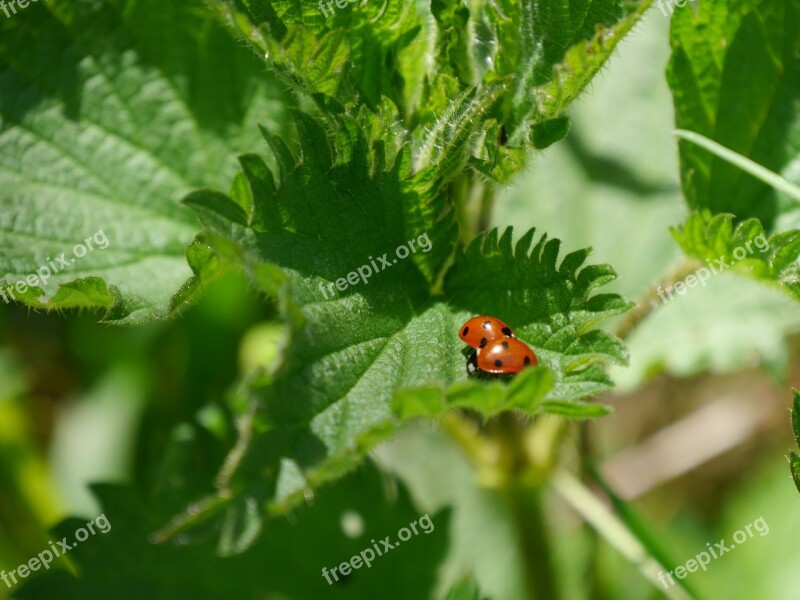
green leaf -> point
(794, 462)
(576, 410)
(109, 115)
(796, 415)
(703, 329)
(611, 181)
(745, 164)
(525, 392)
(454, 47)
(447, 145)
(735, 75)
(442, 69)
(552, 51)
(337, 56)
(286, 562)
(745, 249)
(362, 350)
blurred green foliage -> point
(207, 415)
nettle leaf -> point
(525, 392)
(552, 51)
(109, 115)
(735, 76)
(287, 563)
(356, 260)
(796, 415)
(335, 55)
(744, 248)
(794, 461)
(435, 67)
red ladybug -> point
(479, 331)
(502, 356)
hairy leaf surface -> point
(109, 114)
(543, 52)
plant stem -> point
(517, 458)
(526, 474)
(586, 450)
(650, 300)
(474, 201)
(745, 164)
(528, 509)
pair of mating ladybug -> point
(496, 348)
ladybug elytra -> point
(496, 348)
(479, 331)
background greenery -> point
(111, 113)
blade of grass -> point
(637, 525)
(615, 532)
(744, 163)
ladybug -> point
(479, 331)
(501, 356)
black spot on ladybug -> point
(465, 332)
(505, 345)
(487, 325)
(498, 363)
(483, 342)
(527, 360)
(507, 331)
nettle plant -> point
(295, 145)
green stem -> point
(474, 201)
(586, 450)
(744, 163)
(651, 299)
(527, 471)
(528, 509)
(517, 458)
